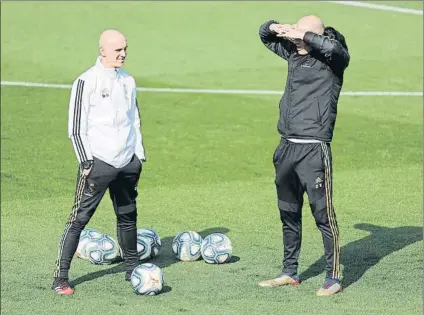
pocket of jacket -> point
(322, 109)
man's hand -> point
(293, 34)
(280, 28)
(86, 167)
(85, 172)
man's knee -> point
(80, 220)
(320, 211)
(289, 210)
(127, 219)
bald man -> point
(317, 57)
(104, 127)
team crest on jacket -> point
(105, 93)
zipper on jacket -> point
(319, 112)
(286, 110)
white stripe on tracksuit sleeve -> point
(77, 120)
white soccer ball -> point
(186, 246)
(148, 243)
(86, 236)
(216, 248)
(147, 279)
(102, 251)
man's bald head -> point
(311, 23)
(308, 23)
(112, 47)
(110, 36)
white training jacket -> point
(104, 119)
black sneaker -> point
(62, 286)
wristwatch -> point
(87, 164)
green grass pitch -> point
(210, 158)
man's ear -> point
(102, 51)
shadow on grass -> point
(359, 256)
(165, 259)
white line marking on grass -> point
(378, 7)
(209, 91)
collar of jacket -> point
(110, 72)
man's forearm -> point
(81, 147)
(265, 33)
(320, 43)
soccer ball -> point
(102, 251)
(216, 248)
(86, 236)
(147, 279)
(186, 245)
(148, 243)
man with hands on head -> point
(317, 57)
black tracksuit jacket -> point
(308, 107)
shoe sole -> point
(276, 284)
(329, 293)
(63, 292)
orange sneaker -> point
(62, 286)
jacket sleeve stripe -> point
(77, 121)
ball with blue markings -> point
(148, 243)
(216, 248)
(147, 279)
(87, 235)
(102, 251)
(186, 246)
